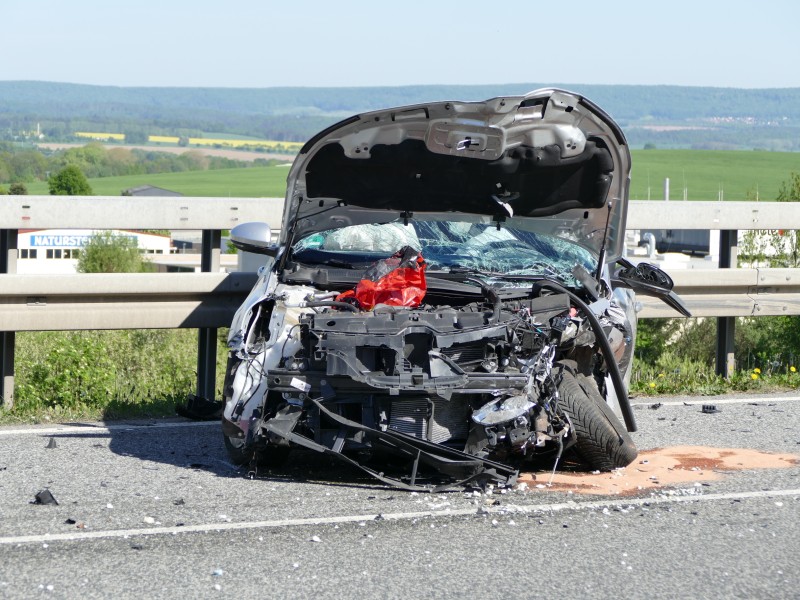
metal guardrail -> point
(140, 212)
(663, 214)
(121, 301)
(731, 293)
(208, 300)
(186, 300)
(149, 212)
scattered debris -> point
(315, 538)
(51, 444)
(218, 573)
(149, 520)
(710, 409)
(656, 406)
(179, 502)
(70, 522)
(45, 497)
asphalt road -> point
(156, 510)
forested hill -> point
(665, 116)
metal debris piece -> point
(200, 409)
(45, 497)
(710, 409)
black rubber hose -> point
(332, 304)
(491, 295)
(608, 353)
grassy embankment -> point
(64, 376)
(250, 182)
(702, 172)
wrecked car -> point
(447, 295)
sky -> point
(317, 43)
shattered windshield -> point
(449, 246)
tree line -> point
(731, 118)
(19, 165)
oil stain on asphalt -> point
(659, 468)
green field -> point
(702, 172)
(250, 182)
(705, 172)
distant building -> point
(149, 190)
(57, 250)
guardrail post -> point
(726, 326)
(8, 264)
(207, 336)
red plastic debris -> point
(397, 281)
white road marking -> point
(713, 400)
(81, 428)
(509, 509)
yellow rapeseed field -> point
(93, 135)
(267, 144)
(168, 139)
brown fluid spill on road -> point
(659, 468)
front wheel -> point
(265, 456)
(238, 451)
(602, 441)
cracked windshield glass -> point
(450, 246)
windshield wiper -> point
(547, 273)
(458, 270)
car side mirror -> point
(254, 237)
(649, 280)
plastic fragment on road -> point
(710, 409)
(45, 497)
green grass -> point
(250, 182)
(75, 375)
(704, 172)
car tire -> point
(266, 456)
(238, 452)
(602, 443)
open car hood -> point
(549, 161)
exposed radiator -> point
(450, 419)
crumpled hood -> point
(548, 161)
